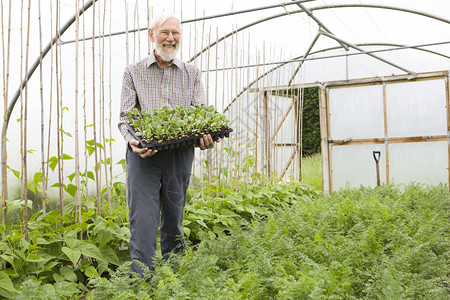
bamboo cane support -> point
(41, 96)
(77, 138)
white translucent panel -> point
(354, 165)
(416, 108)
(281, 157)
(249, 114)
(356, 112)
(283, 119)
(425, 162)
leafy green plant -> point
(266, 241)
(55, 254)
(217, 211)
(175, 123)
(390, 242)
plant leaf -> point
(7, 289)
(91, 272)
(110, 256)
(123, 163)
(66, 156)
(73, 255)
(68, 273)
(53, 161)
(71, 189)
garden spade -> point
(376, 156)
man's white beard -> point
(164, 55)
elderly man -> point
(158, 180)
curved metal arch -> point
(385, 44)
(325, 50)
(37, 62)
(412, 11)
(319, 8)
(313, 9)
(90, 2)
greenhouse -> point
(332, 181)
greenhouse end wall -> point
(398, 125)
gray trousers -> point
(157, 188)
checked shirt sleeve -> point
(127, 103)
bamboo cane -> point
(110, 97)
(5, 67)
(181, 18)
(266, 120)
(22, 192)
(266, 152)
(243, 113)
(58, 116)
(274, 105)
(202, 41)
(247, 119)
(148, 26)
(77, 152)
(50, 111)
(94, 128)
(134, 32)
(41, 89)
(195, 31)
(236, 84)
(126, 47)
(209, 153)
(85, 125)
(256, 116)
(98, 130)
(25, 129)
(127, 51)
(194, 166)
(61, 111)
(223, 99)
(231, 163)
(102, 102)
(139, 31)
(217, 170)
(202, 153)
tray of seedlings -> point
(168, 128)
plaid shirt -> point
(145, 86)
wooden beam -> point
(288, 164)
(446, 80)
(386, 133)
(324, 141)
(409, 139)
(284, 118)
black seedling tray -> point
(183, 142)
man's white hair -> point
(161, 18)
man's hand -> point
(142, 152)
(206, 142)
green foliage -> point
(217, 211)
(309, 99)
(312, 171)
(311, 121)
(61, 253)
(264, 241)
(175, 123)
(381, 243)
